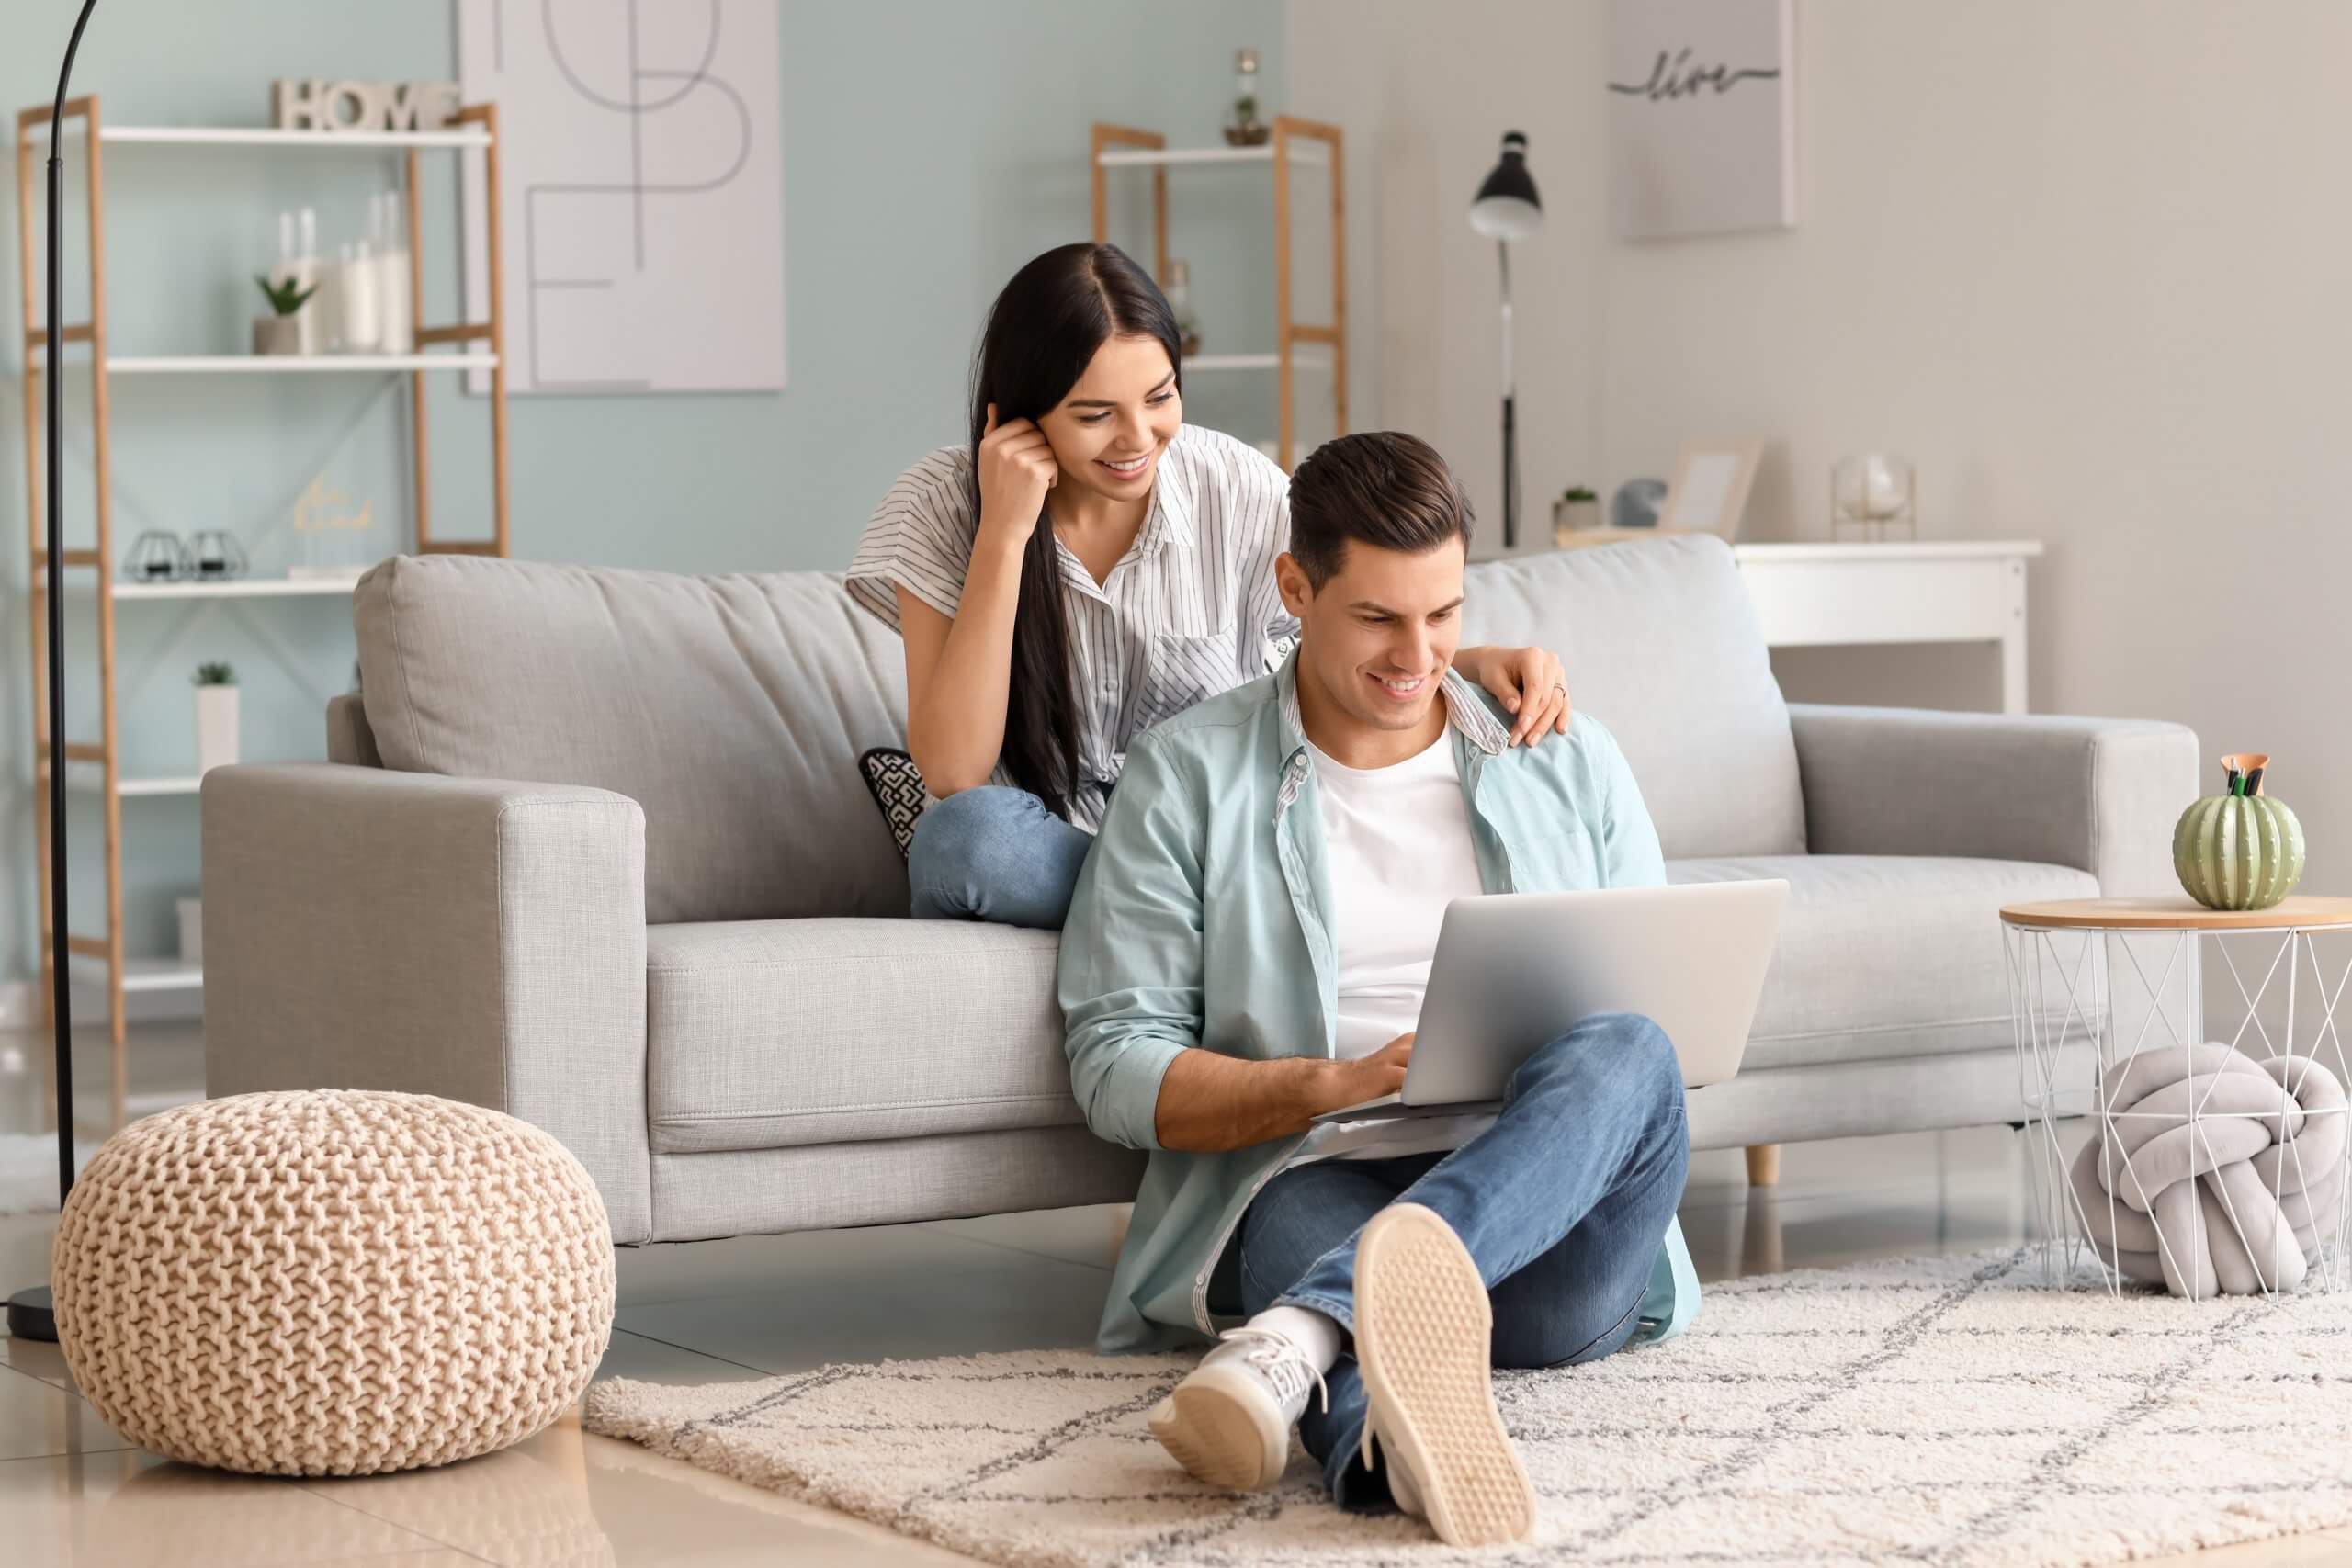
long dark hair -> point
(1041, 334)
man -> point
(1248, 948)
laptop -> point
(1514, 970)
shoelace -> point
(1279, 1357)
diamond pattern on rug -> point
(1947, 1411)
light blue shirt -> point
(1204, 918)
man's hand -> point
(1380, 1074)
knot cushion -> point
(332, 1283)
(2240, 1200)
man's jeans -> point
(1562, 1205)
(995, 854)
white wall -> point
(2086, 264)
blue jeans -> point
(994, 854)
(1562, 1205)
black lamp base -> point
(31, 1315)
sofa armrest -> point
(478, 940)
(2101, 795)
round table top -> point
(2177, 912)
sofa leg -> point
(1763, 1165)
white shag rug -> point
(1947, 1411)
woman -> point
(1087, 566)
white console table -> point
(1817, 595)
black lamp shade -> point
(1507, 207)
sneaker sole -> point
(1423, 1332)
(1220, 1436)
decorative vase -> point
(277, 334)
(2239, 850)
(1636, 504)
(216, 727)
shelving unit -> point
(297, 364)
(93, 767)
(239, 588)
(1295, 142)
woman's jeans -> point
(1562, 1205)
(995, 854)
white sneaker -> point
(1229, 1422)
(1423, 1328)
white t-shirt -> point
(1400, 851)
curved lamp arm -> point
(31, 1315)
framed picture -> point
(1710, 489)
(1702, 117)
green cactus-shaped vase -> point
(2239, 850)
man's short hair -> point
(1381, 488)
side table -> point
(2096, 983)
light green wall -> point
(929, 149)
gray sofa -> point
(593, 849)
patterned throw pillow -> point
(897, 786)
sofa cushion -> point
(732, 709)
(1661, 643)
(1886, 955)
(765, 1034)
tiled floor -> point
(73, 1492)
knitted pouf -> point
(332, 1283)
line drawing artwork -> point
(1701, 113)
(640, 148)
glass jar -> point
(1877, 492)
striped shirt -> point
(1190, 610)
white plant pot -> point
(216, 727)
(277, 334)
(191, 932)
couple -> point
(1250, 935)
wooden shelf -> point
(239, 588)
(143, 973)
(295, 364)
(1257, 362)
(268, 137)
(90, 779)
(1168, 157)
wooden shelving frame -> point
(1294, 142)
(474, 128)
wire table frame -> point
(2097, 984)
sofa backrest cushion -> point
(733, 709)
(1661, 644)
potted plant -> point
(280, 332)
(216, 716)
(1244, 129)
(1577, 509)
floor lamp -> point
(1507, 208)
(31, 1315)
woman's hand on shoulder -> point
(1533, 685)
(1017, 468)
